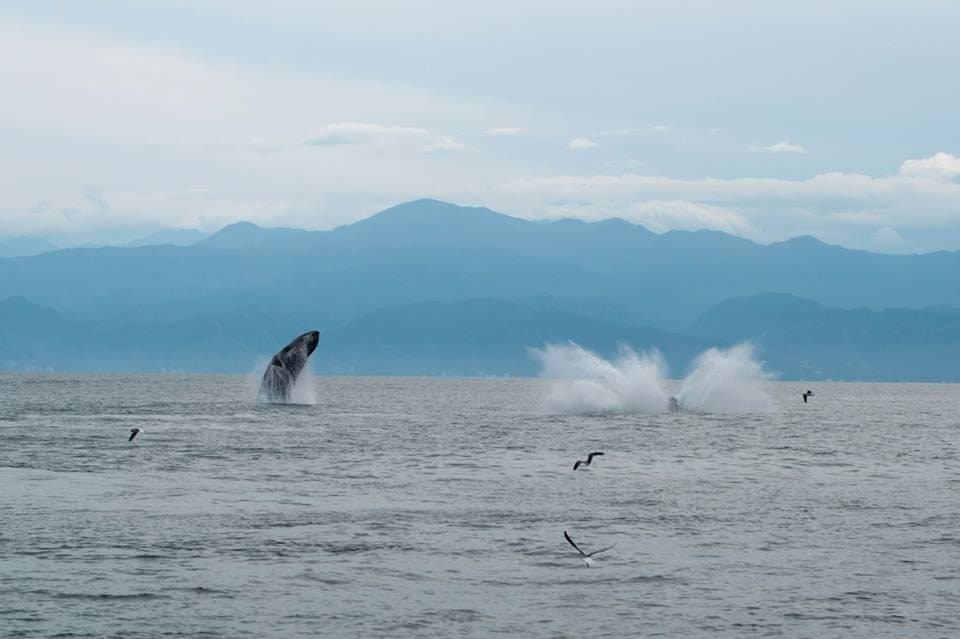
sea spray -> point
(303, 391)
(726, 381)
(587, 383)
(722, 381)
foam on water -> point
(722, 381)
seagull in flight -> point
(587, 557)
(133, 433)
(580, 462)
(807, 394)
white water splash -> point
(723, 381)
(726, 381)
(304, 389)
(587, 383)
(303, 392)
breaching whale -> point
(285, 367)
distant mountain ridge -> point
(175, 237)
(804, 339)
(25, 247)
(613, 273)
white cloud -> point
(940, 166)
(82, 84)
(41, 208)
(779, 147)
(625, 165)
(663, 216)
(838, 207)
(445, 144)
(362, 133)
(623, 132)
(582, 143)
(93, 195)
(889, 240)
(656, 128)
(505, 130)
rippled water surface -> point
(436, 507)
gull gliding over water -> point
(587, 557)
(133, 433)
(580, 462)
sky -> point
(763, 119)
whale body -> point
(285, 367)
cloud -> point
(656, 128)
(94, 196)
(623, 132)
(663, 216)
(888, 239)
(362, 133)
(139, 91)
(445, 144)
(582, 143)
(41, 208)
(625, 165)
(506, 130)
(940, 166)
(840, 207)
(779, 147)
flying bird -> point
(580, 462)
(133, 433)
(807, 394)
(587, 557)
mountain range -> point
(427, 287)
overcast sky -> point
(763, 119)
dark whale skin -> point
(285, 367)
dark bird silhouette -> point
(587, 557)
(807, 394)
(133, 433)
(580, 462)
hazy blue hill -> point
(479, 337)
(19, 317)
(433, 222)
(429, 251)
(807, 340)
(34, 336)
(476, 337)
(24, 246)
(246, 235)
(117, 285)
(175, 237)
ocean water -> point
(436, 508)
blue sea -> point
(419, 507)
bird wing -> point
(597, 552)
(574, 545)
(591, 456)
(133, 434)
(575, 466)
